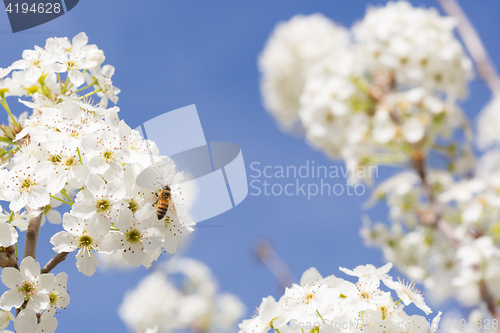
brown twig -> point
(447, 230)
(32, 236)
(56, 260)
(434, 217)
(485, 67)
(274, 263)
(23, 306)
(490, 302)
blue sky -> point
(176, 53)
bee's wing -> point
(173, 211)
(171, 208)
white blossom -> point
(77, 236)
(26, 284)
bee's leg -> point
(154, 203)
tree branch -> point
(32, 236)
(56, 260)
(485, 67)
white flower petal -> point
(47, 325)
(86, 262)
(38, 302)
(11, 277)
(111, 242)
(76, 77)
(54, 216)
(11, 299)
(29, 268)
(134, 254)
(152, 239)
(310, 276)
(96, 185)
(116, 189)
(39, 197)
(98, 225)
(26, 321)
(8, 235)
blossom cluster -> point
(37, 293)
(332, 304)
(389, 89)
(72, 149)
(71, 143)
(180, 295)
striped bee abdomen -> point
(162, 209)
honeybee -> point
(164, 201)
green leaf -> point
(6, 140)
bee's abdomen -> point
(162, 209)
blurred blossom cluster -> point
(294, 47)
(387, 94)
(332, 304)
(386, 87)
(72, 150)
(179, 296)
